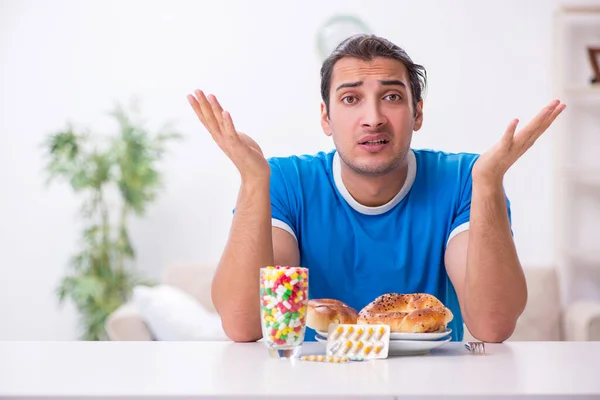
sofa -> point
(181, 309)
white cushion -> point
(541, 320)
(173, 315)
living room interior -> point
(112, 77)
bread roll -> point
(322, 312)
(417, 312)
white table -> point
(197, 369)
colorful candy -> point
(283, 300)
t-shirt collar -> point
(410, 179)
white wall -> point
(68, 60)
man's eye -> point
(349, 100)
(393, 97)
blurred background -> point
(73, 61)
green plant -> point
(117, 177)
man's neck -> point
(374, 191)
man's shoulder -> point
(445, 161)
(445, 157)
(303, 163)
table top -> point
(196, 369)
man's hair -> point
(367, 47)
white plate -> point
(406, 347)
(409, 336)
(419, 336)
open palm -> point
(495, 162)
(240, 148)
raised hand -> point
(494, 163)
(240, 148)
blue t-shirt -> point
(356, 253)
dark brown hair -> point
(367, 47)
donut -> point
(417, 312)
(322, 312)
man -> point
(374, 216)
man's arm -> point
(484, 268)
(482, 263)
(252, 244)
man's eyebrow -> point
(393, 82)
(349, 85)
(385, 82)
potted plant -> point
(117, 178)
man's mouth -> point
(375, 142)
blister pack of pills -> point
(357, 341)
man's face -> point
(371, 117)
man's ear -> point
(325, 123)
(418, 116)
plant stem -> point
(123, 234)
(105, 228)
(124, 247)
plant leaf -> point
(100, 275)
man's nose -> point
(373, 117)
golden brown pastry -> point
(322, 312)
(417, 312)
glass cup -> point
(283, 301)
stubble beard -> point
(374, 170)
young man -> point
(374, 216)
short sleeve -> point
(283, 203)
(460, 223)
(283, 196)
